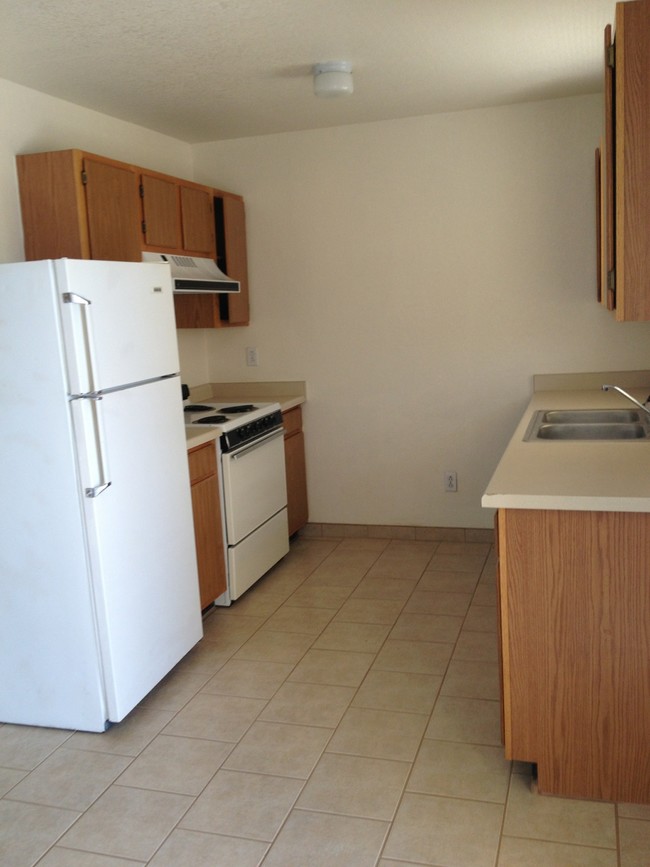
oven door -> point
(255, 485)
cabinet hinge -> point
(611, 280)
(141, 188)
(84, 176)
(611, 56)
(144, 227)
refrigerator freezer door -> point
(140, 538)
(118, 323)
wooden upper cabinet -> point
(626, 175)
(161, 216)
(79, 206)
(112, 210)
(233, 258)
(177, 217)
(83, 206)
(197, 216)
(221, 311)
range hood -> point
(192, 275)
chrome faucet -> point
(628, 396)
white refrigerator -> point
(99, 593)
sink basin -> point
(588, 424)
(591, 416)
(599, 431)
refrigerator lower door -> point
(138, 512)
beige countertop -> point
(581, 475)
(288, 394)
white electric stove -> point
(250, 444)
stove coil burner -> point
(211, 419)
(197, 407)
(243, 407)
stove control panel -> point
(251, 431)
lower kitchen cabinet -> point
(294, 456)
(574, 598)
(208, 534)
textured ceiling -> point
(202, 70)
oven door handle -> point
(246, 450)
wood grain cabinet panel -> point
(160, 213)
(625, 159)
(177, 216)
(208, 533)
(197, 218)
(575, 641)
(294, 455)
(79, 206)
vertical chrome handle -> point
(97, 490)
(93, 443)
(73, 298)
(79, 342)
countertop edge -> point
(578, 476)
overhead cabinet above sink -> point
(623, 164)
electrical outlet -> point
(450, 481)
(251, 356)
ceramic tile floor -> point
(344, 712)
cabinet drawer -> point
(202, 461)
(292, 421)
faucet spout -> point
(628, 396)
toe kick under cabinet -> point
(574, 606)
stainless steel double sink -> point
(588, 424)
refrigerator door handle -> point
(97, 490)
(93, 441)
(74, 298)
(79, 339)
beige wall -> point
(31, 121)
(417, 273)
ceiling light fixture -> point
(333, 78)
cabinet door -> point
(606, 239)
(161, 212)
(232, 254)
(198, 221)
(208, 532)
(112, 209)
(294, 457)
(78, 206)
(576, 639)
(52, 205)
(632, 160)
(197, 311)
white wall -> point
(417, 273)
